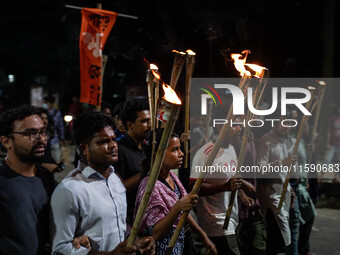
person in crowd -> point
(106, 108)
(120, 128)
(58, 138)
(251, 231)
(91, 200)
(292, 248)
(303, 213)
(333, 139)
(214, 192)
(75, 108)
(47, 161)
(274, 150)
(25, 188)
(306, 207)
(137, 121)
(2, 108)
(168, 200)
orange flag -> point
(95, 28)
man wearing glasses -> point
(25, 189)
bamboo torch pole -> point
(155, 86)
(190, 65)
(151, 96)
(208, 118)
(177, 67)
(321, 88)
(168, 113)
(296, 146)
(156, 101)
(256, 99)
(176, 71)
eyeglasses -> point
(34, 134)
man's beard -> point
(29, 157)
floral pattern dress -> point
(162, 199)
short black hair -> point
(86, 125)
(10, 116)
(131, 108)
(106, 105)
(43, 110)
(50, 99)
(118, 109)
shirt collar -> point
(88, 171)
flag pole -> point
(119, 14)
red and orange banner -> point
(95, 28)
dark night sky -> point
(40, 39)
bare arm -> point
(164, 225)
(208, 189)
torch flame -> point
(153, 67)
(322, 83)
(154, 70)
(179, 52)
(239, 64)
(258, 69)
(158, 77)
(170, 95)
(190, 52)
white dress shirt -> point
(85, 203)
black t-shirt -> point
(129, 164)
(24, 211)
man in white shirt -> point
(214, 195)
(91, 200)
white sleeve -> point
(198, 163)
(65, 220)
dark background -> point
(39, 42)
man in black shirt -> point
(25, 189)
(136, 119)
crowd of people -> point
(92, 210)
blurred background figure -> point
(333, 138)
(106, 108)
(58, 138)
(75, 108)
(2, 108)
(120, 128)
(47, 161)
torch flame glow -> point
(170, 95)
(258, 69)
(153, 67)
(322, 83)
(179, 52)
(154, 70)
(239, 64)
(158, 77)
(190, 52)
